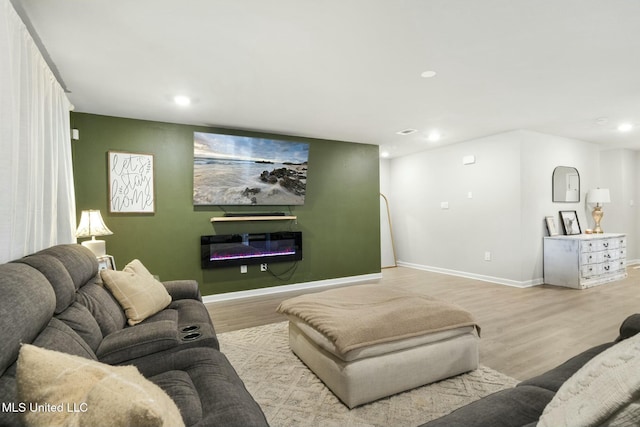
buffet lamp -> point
(598, 196)
(92, 225)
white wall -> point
(540, 155)
(510, 185)
(618, 174)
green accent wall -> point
(340, 220)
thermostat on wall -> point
(468, 160)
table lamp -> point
(598, 196)
(92, 225)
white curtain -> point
(37, 201)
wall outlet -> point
(444, 205)
(487, 256)
(263, 267)
(243, 269)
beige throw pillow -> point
(604, 392)
(59, 389)
(137, 291)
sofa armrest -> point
(183, 289)
(629, 327)
(136, 341)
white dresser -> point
(585, 260)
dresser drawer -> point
(591, 246)
(591, 258)
(590, 270)
(613, 266)
(608, 244)
(611, 255)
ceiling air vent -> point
(407, 132)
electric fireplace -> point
(228, 250)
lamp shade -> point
(91, 225)
(599, 195)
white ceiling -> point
(350, 69)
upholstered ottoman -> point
(367, 342)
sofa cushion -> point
(137, 291)
(103, 307)
(553, 379)
(224, 399)
(26, 306)
(359, 316)
(179, 386)
(98, 391)
(79, 318)
(514, 407)
(8, 395)
(57, 275)
(60, 337)
(601, 391)
(629, 327)
(79, 261)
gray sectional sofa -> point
(54, 299)
(523, 405)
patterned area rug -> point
(291, 395)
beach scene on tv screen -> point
(242, 170)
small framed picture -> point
(551, 226)
(570, 222)
(106, 262)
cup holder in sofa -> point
(192, 336)
(190, 328)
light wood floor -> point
(524, 331)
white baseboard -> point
(350, 280)
(497, 280)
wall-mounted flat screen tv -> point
(227, 250)
(243, 170)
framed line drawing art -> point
(551, 226)
(570, 222)
(131, 182)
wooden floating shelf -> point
(253, 218)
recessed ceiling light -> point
(384, 154)
(434, 136)
(182, 100)
(428, 74)
(625, 127)
(407, 131)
